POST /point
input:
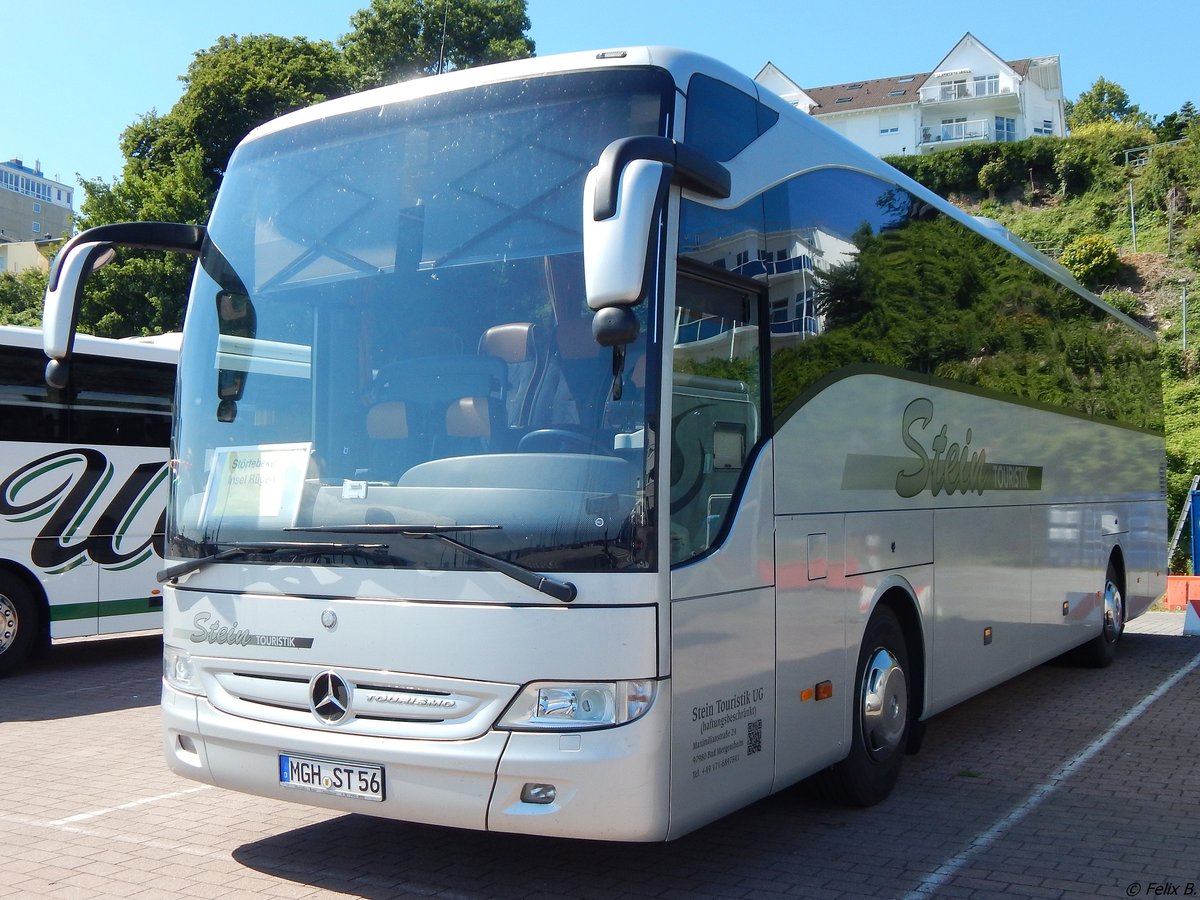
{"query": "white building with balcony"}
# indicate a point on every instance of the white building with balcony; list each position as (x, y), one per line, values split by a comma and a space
(971, 95)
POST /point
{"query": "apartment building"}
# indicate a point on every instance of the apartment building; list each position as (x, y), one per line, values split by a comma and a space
(970, 95)
(32, 206)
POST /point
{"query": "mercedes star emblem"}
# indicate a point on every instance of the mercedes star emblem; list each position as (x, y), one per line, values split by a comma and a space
(329, 698)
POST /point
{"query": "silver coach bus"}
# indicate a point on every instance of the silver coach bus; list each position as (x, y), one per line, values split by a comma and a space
(594, 444)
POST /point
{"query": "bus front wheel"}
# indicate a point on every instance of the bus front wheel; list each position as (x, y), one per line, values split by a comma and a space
(18, 623)
(881, 714)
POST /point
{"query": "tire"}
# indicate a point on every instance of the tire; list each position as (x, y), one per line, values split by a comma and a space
(882, 715)
(19, 623)
(1100, 651)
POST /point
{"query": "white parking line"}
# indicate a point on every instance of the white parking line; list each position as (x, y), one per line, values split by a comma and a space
(94, 814)
(985, 839)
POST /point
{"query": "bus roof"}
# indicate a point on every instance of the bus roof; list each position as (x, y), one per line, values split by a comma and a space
(162, 348)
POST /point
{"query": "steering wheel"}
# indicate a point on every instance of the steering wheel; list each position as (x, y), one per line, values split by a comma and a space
(555, 440)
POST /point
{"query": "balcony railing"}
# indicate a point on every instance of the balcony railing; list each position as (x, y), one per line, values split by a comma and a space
(973, 130)
(968, 90)
(805, 325)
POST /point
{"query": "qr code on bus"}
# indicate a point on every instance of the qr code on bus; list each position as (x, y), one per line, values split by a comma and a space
(753, 736)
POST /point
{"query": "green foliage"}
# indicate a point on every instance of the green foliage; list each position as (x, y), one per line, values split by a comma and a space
(1092, 259)
(21, 297)
(1105, 101)
(239, 83)
(1182, 402)
(1094, 155)
(931, 297)
(174, 162)
(397, 39)
(993, 177)
(959, 170)
(1091, 158)
(1171, 177)
(1174, 126)
(1124, 301)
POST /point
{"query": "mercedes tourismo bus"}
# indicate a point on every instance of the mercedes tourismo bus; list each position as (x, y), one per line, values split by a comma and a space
(592, 445)
(83, 489)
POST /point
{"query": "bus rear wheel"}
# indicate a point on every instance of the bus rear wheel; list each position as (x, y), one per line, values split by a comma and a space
(881, 715)
(18, 623)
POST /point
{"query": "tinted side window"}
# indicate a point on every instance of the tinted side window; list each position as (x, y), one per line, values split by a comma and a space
(875, 276)
(121, 402)
(29, 410)
(722, 121)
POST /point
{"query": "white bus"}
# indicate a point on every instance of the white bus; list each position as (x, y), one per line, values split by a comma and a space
(591, 445)
(83, 489)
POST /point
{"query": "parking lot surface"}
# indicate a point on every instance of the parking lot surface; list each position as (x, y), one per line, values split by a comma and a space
(1064, 782)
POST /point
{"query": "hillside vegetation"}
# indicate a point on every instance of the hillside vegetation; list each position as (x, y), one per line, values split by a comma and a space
(1073, 198)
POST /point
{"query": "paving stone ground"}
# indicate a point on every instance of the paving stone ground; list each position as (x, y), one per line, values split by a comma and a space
(1064, 783)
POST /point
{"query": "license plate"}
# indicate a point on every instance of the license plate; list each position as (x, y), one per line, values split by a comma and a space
(331, 776)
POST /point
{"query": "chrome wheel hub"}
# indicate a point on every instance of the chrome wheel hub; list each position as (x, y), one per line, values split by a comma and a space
(884, 704)
(1114, 612)
(8, 623)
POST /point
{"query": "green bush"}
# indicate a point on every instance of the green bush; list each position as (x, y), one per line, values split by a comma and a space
(1094, 156)
(958, 170)
(1092, 259)
(1125, 301)
(994, 177)
(1176, 363)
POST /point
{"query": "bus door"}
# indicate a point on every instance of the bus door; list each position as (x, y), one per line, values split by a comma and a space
(723, 600)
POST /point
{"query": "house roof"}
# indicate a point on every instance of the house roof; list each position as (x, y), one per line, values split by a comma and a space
(894, 91)
(898, 89)
(873, 93)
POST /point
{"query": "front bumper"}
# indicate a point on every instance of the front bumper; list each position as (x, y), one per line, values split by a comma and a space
(610, 784)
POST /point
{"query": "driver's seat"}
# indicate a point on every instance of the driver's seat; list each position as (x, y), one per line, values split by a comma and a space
(521, 347)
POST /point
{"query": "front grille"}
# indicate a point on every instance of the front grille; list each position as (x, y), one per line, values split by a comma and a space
(381, 704)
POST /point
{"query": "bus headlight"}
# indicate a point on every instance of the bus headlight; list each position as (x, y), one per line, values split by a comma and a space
(554, 706)
(180, 672)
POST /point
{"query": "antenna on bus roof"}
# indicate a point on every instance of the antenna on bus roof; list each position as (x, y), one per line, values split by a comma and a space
(442, 49)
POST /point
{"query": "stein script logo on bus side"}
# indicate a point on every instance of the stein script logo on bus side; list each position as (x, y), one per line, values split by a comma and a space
(950, 465)
(945, 458)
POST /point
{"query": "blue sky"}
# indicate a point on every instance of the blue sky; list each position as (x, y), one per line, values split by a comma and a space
(85, 70)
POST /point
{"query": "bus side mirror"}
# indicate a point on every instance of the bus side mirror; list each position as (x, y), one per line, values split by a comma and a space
(617, 249)
(61, 307)
(622, 197)
(80, 257)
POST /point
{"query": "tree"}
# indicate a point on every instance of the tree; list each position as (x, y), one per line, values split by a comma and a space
(397, 39)
(240, 83)
(21, 297)
(1174, 126)
(174, 164)
(1105, 101)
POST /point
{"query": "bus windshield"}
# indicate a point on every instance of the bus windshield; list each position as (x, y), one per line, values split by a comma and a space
(388, 328)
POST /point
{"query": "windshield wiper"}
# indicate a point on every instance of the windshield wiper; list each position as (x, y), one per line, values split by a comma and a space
(242, 548)
(559, 590)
